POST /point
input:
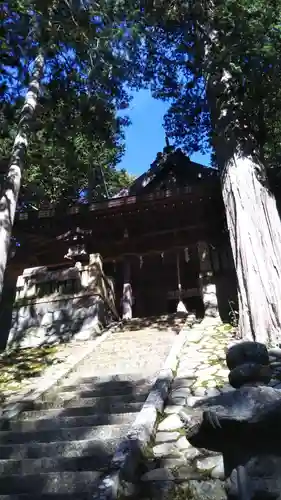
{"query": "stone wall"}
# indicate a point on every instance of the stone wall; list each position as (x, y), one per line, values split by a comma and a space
(62, 304)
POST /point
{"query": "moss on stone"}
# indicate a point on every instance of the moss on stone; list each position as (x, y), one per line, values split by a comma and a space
(181, 493)
(147, 452)
(19, 365)
(160, 416)
(225, 327)
(220, 382)
(213, 361)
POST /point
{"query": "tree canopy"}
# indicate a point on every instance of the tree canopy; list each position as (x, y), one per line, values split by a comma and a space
(78, 129)
(186, 44)
(217, 62)
(93, 53)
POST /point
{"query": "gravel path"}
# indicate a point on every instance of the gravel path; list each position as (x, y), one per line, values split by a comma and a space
(139, 347)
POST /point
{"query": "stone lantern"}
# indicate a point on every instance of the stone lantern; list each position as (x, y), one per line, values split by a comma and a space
(245, 426)
(76, 240)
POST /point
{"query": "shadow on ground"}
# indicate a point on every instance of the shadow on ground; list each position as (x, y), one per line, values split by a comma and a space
(20, 366)
(172, 321)
(59, 423)
(55, 426)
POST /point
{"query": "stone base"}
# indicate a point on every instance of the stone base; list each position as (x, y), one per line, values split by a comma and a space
(41, 322)
(181, 309)
(127, 302)
(209, 296)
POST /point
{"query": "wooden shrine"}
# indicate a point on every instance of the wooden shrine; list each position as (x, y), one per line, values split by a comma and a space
(149, 237)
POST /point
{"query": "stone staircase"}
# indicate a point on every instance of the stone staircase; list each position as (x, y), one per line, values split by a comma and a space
(60, 446)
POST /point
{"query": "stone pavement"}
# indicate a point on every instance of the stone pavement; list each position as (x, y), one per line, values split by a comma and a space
(174, 468)
(63, 442)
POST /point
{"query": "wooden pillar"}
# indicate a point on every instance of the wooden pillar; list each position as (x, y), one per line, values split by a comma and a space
(127, 298)
(207, 281)
(181, 309)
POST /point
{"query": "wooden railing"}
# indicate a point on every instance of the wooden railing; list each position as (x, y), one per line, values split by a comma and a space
(206, 190)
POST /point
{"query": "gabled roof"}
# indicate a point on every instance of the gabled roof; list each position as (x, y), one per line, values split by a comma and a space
(170, 165)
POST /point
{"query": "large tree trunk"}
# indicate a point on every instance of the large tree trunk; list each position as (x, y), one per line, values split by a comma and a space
(255, 235)
(12, 183)
(252, 216)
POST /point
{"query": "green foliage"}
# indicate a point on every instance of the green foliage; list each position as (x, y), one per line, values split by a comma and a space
(178, 49)
(77, 131)
(190, 47)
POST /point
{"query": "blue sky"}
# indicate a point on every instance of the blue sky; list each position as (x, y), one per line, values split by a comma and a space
(145, 136)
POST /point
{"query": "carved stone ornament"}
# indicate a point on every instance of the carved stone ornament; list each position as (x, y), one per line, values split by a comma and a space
(245, 426)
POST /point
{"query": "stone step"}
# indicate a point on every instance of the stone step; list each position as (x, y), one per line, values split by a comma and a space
(118, 346)
(115, 356)
(102, 432)
(80, 448)
(98, 462)
(58, 422)
(50, 483)
(58, 448)
(46, 496)
(103, 403)
(117, 341)
(154, 338)
(79, 392)
(74, 380)
(107, 379)
(114, 387)
(80, 411)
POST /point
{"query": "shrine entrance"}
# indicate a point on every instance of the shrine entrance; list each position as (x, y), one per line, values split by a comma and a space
(156, 279)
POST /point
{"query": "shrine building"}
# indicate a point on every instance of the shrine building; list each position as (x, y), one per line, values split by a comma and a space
(162, 240)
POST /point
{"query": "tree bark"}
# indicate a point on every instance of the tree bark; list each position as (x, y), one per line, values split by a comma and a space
(252, 215)
(255, 236)
(12, 182)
